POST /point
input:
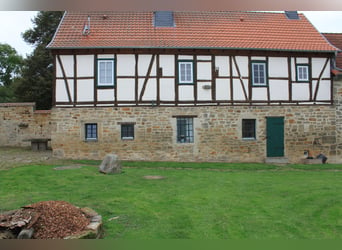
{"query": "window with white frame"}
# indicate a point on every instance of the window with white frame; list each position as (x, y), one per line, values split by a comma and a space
(302, 72)
(90, 131)
(185, 130)
(185, 72)
(105, 72)
(259, 73)
(248, 129)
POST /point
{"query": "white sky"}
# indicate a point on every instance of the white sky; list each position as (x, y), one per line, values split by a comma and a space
(14, 23)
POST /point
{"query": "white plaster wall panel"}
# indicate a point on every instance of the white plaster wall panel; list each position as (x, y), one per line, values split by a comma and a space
(150, 92)
(105, 56)
(203, 94)
(61, 92)
(222, 89)
(85, 66)
(317, 67)
(203, 57)
(186, 92)
(125, 65)
(242, 63)
(277, 67)
(144, 63)
(279, 90)
(258, 58)
(300, 92)
(167, 63)
(125, 89)
(293, 69)
(105, 95)
(183, 57)
(68, 65)
(203, 70)
(85, 90)
(167, 89)
(259, 94)
(302, 60)
(222, 63)
(324, 91)
(238, 93)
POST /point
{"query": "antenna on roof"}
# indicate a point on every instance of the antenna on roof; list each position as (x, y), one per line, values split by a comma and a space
(86, 27)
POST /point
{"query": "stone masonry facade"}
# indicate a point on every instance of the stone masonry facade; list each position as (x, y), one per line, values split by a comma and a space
(217, 132)
(20, 122)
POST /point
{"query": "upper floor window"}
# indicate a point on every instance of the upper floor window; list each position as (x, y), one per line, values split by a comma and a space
(185, 72)
(302, 71)
(259, 73)
(105, 72)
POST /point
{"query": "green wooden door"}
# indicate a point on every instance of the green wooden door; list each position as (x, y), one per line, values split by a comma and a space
(275, 136)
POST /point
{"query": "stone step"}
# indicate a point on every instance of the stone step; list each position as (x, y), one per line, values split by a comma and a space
(277, 160)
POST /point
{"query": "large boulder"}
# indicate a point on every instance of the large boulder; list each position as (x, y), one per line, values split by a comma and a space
(110, 165)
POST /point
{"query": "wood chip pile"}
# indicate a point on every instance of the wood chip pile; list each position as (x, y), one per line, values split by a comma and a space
(49, 220)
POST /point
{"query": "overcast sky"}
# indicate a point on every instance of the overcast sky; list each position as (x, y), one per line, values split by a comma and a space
(14, 23)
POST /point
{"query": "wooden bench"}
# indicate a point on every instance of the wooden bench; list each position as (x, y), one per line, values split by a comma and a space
(39, 144)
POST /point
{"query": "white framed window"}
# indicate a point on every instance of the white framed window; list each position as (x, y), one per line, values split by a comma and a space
(259, 73)
(185, 72)
(302, 72)
(105, 72)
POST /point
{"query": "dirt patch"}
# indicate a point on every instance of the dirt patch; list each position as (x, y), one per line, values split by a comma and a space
(67, 167)
(154, 177)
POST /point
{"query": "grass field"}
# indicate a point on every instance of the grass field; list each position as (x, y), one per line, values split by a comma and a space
(193, 201)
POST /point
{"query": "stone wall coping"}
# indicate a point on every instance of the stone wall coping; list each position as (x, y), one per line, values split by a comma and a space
(18, 104)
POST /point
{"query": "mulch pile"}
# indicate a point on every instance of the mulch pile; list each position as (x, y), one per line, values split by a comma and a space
(49, 219)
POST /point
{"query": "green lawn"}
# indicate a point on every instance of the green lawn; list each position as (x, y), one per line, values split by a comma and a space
(193, 201)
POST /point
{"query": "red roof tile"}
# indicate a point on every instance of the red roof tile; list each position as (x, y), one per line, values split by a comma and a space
(336, 40)
(227, 30)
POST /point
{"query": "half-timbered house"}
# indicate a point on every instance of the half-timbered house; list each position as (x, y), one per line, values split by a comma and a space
(192, 86)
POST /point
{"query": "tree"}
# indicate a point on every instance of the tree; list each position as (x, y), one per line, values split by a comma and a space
(37, 73)
(10, 64)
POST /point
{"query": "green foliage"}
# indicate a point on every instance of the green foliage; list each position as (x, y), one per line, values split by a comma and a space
(37, 74)
(10, 64)
(190, 203)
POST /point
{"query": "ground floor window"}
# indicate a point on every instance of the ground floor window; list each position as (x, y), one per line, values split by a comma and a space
(248, 129)
(127, 131)
(90, 131)
(185, 130)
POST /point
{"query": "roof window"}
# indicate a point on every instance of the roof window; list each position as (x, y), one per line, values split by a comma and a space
(163, 19)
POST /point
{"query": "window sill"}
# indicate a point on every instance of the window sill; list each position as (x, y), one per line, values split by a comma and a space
(91, 140)
(249, 139)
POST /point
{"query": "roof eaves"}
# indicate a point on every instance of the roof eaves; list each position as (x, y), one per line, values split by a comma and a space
(204, 48)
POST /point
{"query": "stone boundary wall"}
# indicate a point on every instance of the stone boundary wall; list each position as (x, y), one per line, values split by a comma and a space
(217, 133)
(20, 121)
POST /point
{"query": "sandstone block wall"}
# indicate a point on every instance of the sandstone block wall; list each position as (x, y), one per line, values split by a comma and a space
(20, 121)
(217, 133)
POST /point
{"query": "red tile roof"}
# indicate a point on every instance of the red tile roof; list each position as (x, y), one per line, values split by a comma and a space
(336, 40)
(224, 30)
